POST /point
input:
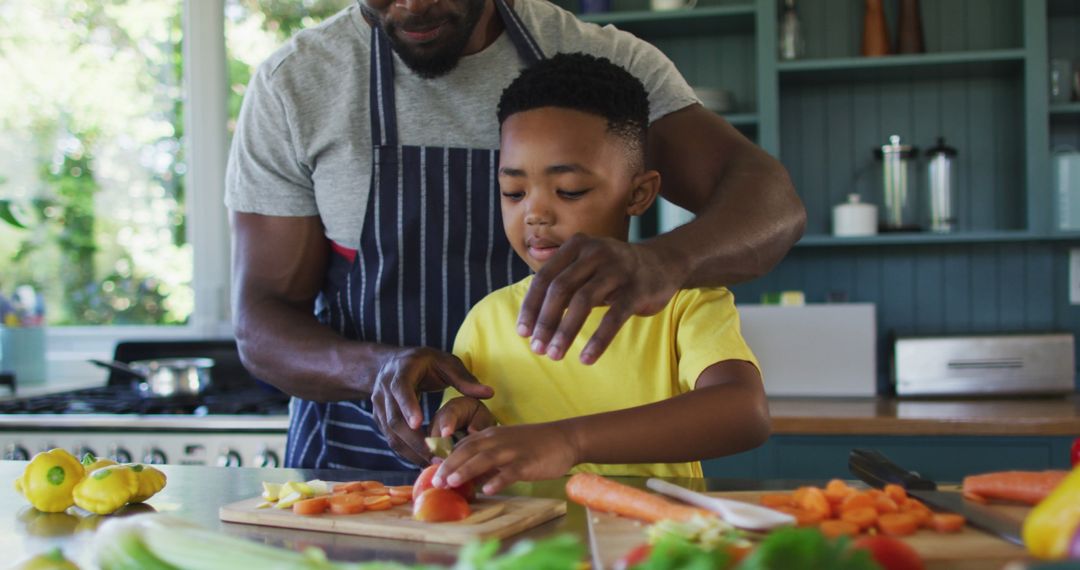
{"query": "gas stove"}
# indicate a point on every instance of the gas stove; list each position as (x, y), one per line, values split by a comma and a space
(237, 422)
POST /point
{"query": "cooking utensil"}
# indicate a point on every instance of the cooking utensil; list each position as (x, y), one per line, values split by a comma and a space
(875, 469)
(165, 377)
(738, 513)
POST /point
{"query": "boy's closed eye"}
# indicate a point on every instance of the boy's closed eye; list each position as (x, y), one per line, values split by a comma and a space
(566, 194)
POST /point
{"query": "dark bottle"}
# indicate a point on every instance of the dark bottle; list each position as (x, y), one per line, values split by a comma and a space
(875, 37)
(909, 36)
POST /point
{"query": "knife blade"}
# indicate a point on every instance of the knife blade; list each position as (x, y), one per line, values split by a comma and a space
(873, 468)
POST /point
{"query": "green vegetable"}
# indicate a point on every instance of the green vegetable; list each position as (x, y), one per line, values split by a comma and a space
(806, 549)
(563, 552)
(708, 532)
(673, 552)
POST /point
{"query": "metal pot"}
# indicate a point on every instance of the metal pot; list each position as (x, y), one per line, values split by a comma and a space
(165, 377)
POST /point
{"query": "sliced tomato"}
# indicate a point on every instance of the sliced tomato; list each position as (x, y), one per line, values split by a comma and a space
(891, 553)
(636, 556)
(440, 505)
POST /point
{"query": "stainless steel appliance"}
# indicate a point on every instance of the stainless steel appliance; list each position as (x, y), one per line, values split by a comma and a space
(238, 421)
(984, 365)
(941, 187)
(897, 185)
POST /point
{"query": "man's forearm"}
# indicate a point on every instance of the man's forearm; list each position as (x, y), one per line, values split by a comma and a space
(749, 224)
(287, 347)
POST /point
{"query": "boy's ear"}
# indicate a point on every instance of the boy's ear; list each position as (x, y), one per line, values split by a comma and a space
(645, 187)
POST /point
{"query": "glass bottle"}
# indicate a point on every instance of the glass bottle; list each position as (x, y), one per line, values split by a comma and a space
(792, 45)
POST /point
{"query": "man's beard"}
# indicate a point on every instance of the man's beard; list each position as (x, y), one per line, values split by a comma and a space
(436, 60)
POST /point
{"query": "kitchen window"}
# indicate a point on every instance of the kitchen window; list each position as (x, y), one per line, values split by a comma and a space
(115, 118)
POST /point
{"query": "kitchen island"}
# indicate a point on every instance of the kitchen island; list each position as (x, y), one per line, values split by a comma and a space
(196, 493)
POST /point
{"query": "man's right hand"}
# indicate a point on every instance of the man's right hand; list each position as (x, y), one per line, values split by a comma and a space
(404, 373)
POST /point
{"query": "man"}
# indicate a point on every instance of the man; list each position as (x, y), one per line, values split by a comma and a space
(376, 131)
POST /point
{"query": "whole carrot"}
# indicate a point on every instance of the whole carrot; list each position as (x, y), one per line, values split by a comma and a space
(597, 492)
(1022, 486)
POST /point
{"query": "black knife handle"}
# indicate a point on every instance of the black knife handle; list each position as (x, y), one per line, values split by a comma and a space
(877, 470)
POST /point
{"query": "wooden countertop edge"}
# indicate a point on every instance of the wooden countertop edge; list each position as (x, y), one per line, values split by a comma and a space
(904, 426)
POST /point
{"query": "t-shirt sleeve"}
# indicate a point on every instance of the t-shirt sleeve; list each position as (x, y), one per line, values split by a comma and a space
(265, 175)
(708, 332)
(667, 88)
(464, 345)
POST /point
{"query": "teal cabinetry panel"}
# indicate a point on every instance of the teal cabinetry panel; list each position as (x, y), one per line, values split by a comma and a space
(942, 458)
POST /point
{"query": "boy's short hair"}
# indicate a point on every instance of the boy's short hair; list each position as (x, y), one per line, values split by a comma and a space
(586, 83)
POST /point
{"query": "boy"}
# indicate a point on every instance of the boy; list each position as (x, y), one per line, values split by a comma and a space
(672, 388)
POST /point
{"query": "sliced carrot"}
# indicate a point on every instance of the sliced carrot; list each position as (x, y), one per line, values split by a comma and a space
(859, 500)
(372, 484)
(315, 506)
(895, 492)
(398, 500)
(897, 524)
(776, 500)
(885, 504)
(349, 487)
(600, 493)
(833, 528)
(803, 517)
(347, 503)
(863, 517)
(921, 512)
(947, 522)
(401, 491)
(836, 491)
(379, 503)
(1027, 487)
(375, 492)
(814, 500)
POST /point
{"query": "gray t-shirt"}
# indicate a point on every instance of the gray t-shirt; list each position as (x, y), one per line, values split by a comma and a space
(303, 141)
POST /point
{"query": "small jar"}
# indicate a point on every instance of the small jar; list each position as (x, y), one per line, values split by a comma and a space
(854, 218)
(941, 187)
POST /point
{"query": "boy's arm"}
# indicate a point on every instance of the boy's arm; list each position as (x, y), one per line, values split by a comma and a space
(726, 413)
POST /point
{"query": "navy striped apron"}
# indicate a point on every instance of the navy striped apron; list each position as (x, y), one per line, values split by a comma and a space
(432, 245)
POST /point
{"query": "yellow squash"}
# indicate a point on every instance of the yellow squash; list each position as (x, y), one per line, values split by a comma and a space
(48, 480)
(91, 463)
(107, 489)
(1050, 526)
(150, 482)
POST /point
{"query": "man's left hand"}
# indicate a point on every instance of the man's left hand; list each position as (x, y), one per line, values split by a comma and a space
(587, 272)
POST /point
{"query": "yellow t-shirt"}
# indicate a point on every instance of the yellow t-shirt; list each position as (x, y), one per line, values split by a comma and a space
(651, 359)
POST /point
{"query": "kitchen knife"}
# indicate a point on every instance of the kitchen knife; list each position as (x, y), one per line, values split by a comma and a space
(877, 470)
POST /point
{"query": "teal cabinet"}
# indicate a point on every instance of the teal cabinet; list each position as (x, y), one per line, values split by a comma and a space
(941, 458)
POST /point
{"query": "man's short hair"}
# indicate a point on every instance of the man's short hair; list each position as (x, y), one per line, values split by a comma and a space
(586, 83)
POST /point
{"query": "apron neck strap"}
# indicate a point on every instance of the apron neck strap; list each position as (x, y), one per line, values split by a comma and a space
(381, 84)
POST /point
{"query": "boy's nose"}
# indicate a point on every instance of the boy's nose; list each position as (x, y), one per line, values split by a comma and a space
(538, 213)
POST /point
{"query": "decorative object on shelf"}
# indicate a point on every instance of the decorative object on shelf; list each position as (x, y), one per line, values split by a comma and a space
(941, 187)
(897, 168)
(663, 5)
(909, 35)
(1061, 75)
(1067, 187)
(792, 44)
(595, 6)
(854, 218)
(875, 37)
(716, 100)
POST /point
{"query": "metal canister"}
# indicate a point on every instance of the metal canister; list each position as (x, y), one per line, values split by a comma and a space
(897, 186)
(941, 187)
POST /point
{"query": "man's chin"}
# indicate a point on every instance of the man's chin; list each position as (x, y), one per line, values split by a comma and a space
(429, 60)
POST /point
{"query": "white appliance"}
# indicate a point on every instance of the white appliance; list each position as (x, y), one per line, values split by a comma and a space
(826, 350)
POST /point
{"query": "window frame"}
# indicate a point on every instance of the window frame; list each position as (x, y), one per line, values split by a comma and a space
(205, 87)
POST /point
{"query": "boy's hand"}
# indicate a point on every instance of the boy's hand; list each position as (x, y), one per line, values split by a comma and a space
(463, 413)
(587, 272)
(506, 454)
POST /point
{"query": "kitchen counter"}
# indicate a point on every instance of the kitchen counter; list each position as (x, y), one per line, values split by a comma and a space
(195, 493)
(911, 417)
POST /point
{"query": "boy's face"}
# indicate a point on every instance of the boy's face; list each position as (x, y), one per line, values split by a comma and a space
(561, 173)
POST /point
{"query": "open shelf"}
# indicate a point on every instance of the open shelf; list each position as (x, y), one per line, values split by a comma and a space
(927, 65)
(1065, 108)
(705, 20)
(920, 238)
(741, 119)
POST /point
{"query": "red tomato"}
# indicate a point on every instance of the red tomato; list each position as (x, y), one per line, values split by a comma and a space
(440, 505)
(891, 553)
(636, 556)
(1074, 456)
(423, 483)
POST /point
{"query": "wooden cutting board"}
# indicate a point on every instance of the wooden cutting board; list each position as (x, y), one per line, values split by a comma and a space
(492, 517)
(611, 537)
